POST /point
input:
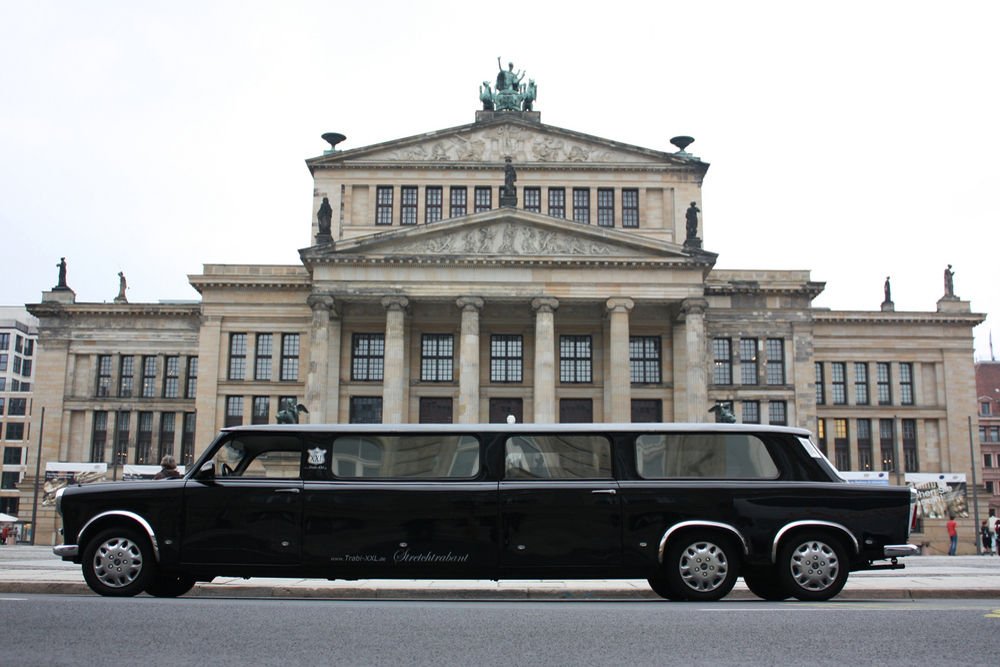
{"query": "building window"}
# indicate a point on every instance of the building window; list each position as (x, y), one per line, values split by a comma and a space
(3, 403)
(506, 358)
(575, 358)
(436, 357)
(3, 362)
(17, 365)
(995, 434)
(557, 202)
(484, 198)
(606, 207)
(841, 445)
(234, 410)
(29, 347)
(647, 410)
(17, 407)
(408, 205)
(886, 437)
(122, 433)
(775, 372)
(984, 408)
(457, 205)
(751, 412)
(262, 357)
(906, 384)
(126, 376)
(821, 435)
(144, 439)
(860, 383)
(99, 437)
(15, 431)
(168, 425)
(434, 203)
(987, 460)
(883, 379)
(237, 356)
(289, 357)
(104, 375)
(4, 341)
(644, 359)
(630, 207)
(838, 382)
(26, 368)
(171, 377)
(12, 456)
(148, 377)
(777, 413)
(365, 410)
(9, 480)
(722, 353)
(435, 410)
(367, 357)
(748, 361)
(191, 386)
(261, 409)
(533, 200)
(187, 439)
(910, 462)
(383, 205)
(865, 453)
(581, 205)
(820, 385)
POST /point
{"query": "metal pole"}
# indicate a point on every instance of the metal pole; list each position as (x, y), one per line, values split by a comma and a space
(975, 491)
(38, 467)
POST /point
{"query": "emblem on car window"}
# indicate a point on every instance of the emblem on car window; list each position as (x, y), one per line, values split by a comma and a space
(317, 456)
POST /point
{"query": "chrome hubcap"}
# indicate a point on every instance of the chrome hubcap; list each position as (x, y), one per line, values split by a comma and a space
(814, 565)
(117, 562)
(703, 566)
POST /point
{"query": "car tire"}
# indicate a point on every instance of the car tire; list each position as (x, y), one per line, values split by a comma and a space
(169, 585)
(701, 567)
(118, 562)
(661, 587)
(812, 566)
(763, 582)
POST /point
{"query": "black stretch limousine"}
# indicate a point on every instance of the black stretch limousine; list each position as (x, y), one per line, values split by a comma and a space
(690, 507)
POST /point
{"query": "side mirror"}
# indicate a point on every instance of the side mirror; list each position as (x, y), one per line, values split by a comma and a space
(206, 472)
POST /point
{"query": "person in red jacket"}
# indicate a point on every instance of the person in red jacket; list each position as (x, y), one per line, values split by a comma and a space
(953, 535)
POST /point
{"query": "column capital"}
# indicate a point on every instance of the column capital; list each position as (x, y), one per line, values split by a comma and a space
(322, 302)
(470, 303)
(693, 306)
(395, 302)
(618, 304)
(545, 304)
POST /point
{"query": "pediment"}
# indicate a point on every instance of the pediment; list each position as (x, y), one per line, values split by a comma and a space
(506, 234)
(524, 142)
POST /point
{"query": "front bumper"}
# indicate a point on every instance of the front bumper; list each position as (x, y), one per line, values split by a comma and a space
(66, 551)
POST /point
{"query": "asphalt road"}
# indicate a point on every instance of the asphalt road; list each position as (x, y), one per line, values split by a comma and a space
(64, 630)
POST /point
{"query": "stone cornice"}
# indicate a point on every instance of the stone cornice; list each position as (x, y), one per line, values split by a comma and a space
(58, 310)
(879, 317)
(273, 277)
(811, 289)
(700, 262)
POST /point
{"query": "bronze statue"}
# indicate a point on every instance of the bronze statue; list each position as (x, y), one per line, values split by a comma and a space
(62, 274)
(486, 96)
(122, 286)
(888, 290)
(508, 80)
(692, 220)
(530, 94)
(949, 282)
(723, 415)
(324, 216)
(509, 177)
(290, 413)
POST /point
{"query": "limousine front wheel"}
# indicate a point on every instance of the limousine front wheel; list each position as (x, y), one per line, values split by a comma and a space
(117, 562)
(700, 567)
(812, 566)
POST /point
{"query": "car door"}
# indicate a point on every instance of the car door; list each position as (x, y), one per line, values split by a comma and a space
(250, 511)
(559, 503)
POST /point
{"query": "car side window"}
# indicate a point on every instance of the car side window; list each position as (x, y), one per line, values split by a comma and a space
(543, 456)
(405, 456)
(703, 455)
(260, 457)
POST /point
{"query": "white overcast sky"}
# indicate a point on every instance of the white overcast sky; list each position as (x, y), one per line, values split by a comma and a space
(854, 139)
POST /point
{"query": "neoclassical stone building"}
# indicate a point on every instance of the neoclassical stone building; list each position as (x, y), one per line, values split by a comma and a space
(505, 267)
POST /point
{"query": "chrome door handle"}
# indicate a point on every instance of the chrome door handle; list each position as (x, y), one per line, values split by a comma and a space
(292, 490)
(609, 492)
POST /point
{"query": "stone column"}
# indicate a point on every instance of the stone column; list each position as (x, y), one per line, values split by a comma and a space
(619, 369)
(395, 359)
(317, 383)
(545, 349)
(468, 360)
(691, 400)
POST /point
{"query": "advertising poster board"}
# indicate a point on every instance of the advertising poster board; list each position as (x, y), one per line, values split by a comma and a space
(866, 477)
(939, 495)
(59, 474)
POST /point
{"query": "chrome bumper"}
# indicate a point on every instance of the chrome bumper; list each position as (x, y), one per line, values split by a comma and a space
(900, 550)
(66, 551)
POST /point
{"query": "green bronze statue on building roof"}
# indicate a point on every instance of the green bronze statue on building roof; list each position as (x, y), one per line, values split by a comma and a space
(509, 93)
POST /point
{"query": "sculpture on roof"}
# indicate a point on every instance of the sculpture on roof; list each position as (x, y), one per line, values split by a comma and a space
(723, 415)
(61, 285)
(509, 93)
(324, 216)
(122, 286)
(289, 414)
(949, 283)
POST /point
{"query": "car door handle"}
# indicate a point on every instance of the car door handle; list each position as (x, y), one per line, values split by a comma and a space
(609, 492)
(292, 490)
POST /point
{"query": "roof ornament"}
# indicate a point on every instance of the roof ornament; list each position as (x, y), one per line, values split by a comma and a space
(509, 93)
(333, 138)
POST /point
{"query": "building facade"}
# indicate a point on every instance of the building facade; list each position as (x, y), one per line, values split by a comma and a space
(18, 338)
(988, 397)
(505, 268)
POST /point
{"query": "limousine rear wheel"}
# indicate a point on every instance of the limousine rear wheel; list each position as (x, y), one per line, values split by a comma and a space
(701, 566)
(118, 562)
(813, 566)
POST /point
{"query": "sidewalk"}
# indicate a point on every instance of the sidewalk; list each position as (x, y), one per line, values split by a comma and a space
(27, 569)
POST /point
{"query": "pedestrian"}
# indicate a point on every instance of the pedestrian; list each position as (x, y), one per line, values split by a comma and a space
(991, 523)
(984, 537)
(168, 468)
(952, 534)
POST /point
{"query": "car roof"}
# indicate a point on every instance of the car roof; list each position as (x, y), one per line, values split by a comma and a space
(643, 427)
